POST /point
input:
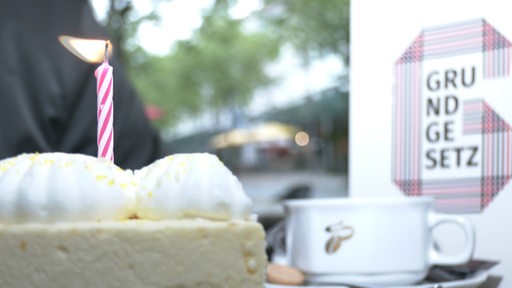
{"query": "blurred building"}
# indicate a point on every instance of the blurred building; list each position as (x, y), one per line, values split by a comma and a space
(322, 118)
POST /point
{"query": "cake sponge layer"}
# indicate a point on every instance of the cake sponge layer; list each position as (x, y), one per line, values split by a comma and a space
(133, 253)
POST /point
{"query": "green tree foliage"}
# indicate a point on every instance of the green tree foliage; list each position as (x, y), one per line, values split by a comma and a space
(219, 68)
(122, 23)
(314, 28)
(222, 65)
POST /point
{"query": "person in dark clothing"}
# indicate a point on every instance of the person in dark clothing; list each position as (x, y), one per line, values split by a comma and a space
(48, 95)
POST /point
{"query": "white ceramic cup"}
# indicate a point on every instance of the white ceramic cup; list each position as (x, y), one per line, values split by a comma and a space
(384, 241)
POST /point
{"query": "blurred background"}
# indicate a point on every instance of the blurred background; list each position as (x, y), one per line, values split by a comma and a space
(263, 84)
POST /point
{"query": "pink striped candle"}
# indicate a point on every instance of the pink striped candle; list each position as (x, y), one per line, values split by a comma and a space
(105, 91)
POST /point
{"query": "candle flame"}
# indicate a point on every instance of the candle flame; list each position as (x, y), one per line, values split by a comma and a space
(89, 50)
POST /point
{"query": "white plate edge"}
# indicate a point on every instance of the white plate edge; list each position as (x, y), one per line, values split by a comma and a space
(474, 281)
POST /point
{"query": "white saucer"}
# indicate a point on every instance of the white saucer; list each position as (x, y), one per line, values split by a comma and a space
(381, 279)
(472, 282)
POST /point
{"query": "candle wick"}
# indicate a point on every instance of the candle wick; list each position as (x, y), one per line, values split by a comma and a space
(106, 50)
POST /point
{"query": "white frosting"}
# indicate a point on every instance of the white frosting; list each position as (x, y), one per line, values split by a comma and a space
(188, 186)
(59, 187)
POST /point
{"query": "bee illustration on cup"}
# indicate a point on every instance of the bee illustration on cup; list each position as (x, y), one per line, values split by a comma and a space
(339, 233)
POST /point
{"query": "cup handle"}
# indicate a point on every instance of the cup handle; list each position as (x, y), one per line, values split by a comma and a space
(435, 256)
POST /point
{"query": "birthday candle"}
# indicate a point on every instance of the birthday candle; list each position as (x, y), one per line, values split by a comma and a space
(105, 91)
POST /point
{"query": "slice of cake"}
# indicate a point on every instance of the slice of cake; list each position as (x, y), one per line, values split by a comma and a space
(71, 220)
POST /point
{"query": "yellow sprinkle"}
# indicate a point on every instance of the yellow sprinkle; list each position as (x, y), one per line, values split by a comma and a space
(111, 182)
(101, 177)
(49, 161)
(33, 157)
(150, 194)
(123, 185)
